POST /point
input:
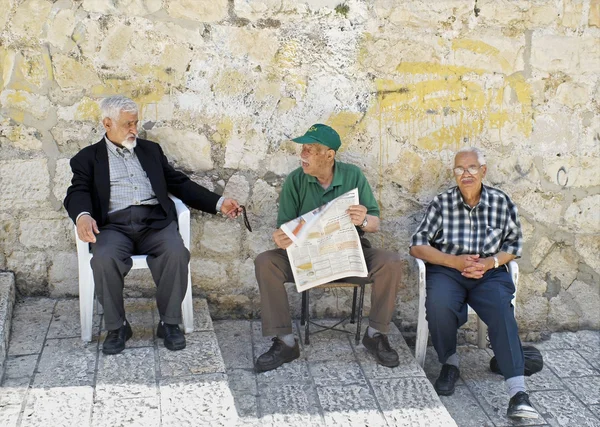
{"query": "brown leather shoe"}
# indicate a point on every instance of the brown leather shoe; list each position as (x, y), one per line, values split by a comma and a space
(278, 354)
(379, 346)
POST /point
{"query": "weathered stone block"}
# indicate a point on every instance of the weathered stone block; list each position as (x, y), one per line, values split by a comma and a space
(198, 11)
(588, 248)
(31, 271)
(246, 151)
(584, 214)
(23, 183)
(61, 28)
(71, 74)
(36, 105)
(237, 188)
(594, 16)
(20, 136)
(63, 274)
(565, 53)
(188, 150)
(30, 18)
(222, 237)
(587, 297)
(45, 234)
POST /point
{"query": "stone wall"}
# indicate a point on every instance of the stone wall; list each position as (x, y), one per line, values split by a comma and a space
(223, 85)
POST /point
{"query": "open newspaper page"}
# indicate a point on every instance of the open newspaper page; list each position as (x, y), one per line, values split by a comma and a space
(326, 244)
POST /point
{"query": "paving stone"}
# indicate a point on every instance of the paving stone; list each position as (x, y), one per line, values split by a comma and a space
(295, 372)
(246, 405)
(465, 409)
(119, 412)
(202, 319)
(411, 402)
(562, 408)
(329, 346)
(493, 398)
(586, 389)
(235, 342)
(9, 415)
(66, 322)
(7, 303)
(66, 362)
(13, 392)
(408, 366)
(349, 405)
(243, 380)
(29, 325)
(567, 363)
(558, 341)
(336, 372)
(58, 407)
(543, 380)
(20, 366)
(140, 314)
(596, 410)
(289, 404)
(130, 374)
(200, 356)
(202, 400)
(588, 346)
(433, 367)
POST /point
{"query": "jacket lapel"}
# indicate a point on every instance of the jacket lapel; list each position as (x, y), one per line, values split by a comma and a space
(102, 176)
(149, 164)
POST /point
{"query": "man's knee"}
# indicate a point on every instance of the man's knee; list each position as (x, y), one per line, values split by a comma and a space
(175, 249)
(265, 260)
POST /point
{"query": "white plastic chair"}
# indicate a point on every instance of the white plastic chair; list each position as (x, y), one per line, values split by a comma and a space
(423, 327)
(86, 278)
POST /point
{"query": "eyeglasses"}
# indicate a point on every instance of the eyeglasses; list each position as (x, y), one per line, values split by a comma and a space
(245, 215)
(458, 171)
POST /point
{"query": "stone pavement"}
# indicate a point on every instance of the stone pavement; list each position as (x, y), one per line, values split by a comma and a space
(51, 378)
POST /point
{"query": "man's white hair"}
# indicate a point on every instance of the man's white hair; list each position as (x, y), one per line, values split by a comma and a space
(112, 106)
(477, 151)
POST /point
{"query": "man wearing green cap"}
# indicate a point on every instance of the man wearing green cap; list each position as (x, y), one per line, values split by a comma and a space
(319, 180)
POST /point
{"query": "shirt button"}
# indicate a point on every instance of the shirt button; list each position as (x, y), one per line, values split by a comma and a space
(131, 175)
(137, 202)
(135, 188)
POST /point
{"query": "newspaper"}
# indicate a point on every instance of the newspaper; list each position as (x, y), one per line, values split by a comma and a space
(326, 244)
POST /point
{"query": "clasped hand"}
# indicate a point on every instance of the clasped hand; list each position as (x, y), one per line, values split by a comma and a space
(471, 266)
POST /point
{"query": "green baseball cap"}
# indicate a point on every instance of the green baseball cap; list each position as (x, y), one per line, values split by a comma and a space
(321, 134)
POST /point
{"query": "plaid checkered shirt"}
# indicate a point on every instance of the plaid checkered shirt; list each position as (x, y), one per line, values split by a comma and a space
(129, 183)
(453, 227)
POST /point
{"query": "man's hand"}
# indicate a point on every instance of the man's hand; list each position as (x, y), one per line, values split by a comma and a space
(87, 229)
(281, 239)
(231, 208)
(471, 266)
(357, 213)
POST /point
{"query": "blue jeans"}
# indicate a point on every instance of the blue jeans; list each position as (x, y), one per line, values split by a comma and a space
(448, 293)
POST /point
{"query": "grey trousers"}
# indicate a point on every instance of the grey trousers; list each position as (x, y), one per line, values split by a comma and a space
(273, 269)
(127, 234)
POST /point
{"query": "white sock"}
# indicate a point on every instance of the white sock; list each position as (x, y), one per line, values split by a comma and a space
(288, 339)
(515, 385)
(372, 331)
(453, 360)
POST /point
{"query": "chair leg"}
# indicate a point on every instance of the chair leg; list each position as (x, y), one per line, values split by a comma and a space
(353, 305)
(187, 308)
(303, 309)
(86, 303)
(360, 311)
(482, 331)
(307, 318)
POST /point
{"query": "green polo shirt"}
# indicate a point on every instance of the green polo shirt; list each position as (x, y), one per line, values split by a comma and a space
(302, 193)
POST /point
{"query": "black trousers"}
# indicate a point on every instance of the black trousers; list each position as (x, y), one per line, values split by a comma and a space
(125, 234)
(448, 293)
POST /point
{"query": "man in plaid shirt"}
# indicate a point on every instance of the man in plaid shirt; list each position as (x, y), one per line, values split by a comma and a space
(466, 237)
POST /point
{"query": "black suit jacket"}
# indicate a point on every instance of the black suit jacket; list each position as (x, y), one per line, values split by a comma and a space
(90, 186)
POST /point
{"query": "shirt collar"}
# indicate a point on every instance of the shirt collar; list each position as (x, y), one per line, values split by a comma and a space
(335, 182)
(457, 198)
(121, 152)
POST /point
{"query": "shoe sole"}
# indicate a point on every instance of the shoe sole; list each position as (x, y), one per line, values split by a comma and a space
(381, 362)
(523, 415)
(118, 350)
(274, 366)
(444, 392)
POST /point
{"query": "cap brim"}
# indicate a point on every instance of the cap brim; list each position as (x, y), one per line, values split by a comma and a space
(306, 140)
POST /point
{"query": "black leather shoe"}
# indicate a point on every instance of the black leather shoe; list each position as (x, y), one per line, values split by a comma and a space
(115, 340)
(379, 346)
(174, 339)
(278, 354)
(445, 383)
(519, 406)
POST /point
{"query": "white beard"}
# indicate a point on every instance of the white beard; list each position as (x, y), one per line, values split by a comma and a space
(129, 145)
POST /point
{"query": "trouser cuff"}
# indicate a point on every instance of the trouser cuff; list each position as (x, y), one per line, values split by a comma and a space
(381, 327)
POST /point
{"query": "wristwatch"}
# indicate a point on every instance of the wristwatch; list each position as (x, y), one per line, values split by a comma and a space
(364, 223)
(495, 262)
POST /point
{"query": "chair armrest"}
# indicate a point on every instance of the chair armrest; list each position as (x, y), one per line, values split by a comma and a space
(83, 248)
(183, 220)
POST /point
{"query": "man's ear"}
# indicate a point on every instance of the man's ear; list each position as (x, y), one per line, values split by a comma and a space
(483, 171)
(330, 154)
(107, 123)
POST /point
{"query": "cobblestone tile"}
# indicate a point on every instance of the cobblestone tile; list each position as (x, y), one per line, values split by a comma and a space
(246, 405)
(562, 408)
(66, 322)
(543, 380)
(408, 366)
(493, 398)
(567, 363)
(13, 392)
(235, 342)
(9, 415)
(349, 405)
(333, 372)
(140, 314)
(589, 347)
(329, 346)
(200, 356)
(66, 362)
(58, 407)
(30, 322)
(20, 366)
(203, 400)
(119, 412)
(295, 372)
(130, 374)
(202, 319)
(411, 402)
(465, 409)
(558, 341)
(242, 379)
(596, 410)
(290, 405)
(587, 389)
